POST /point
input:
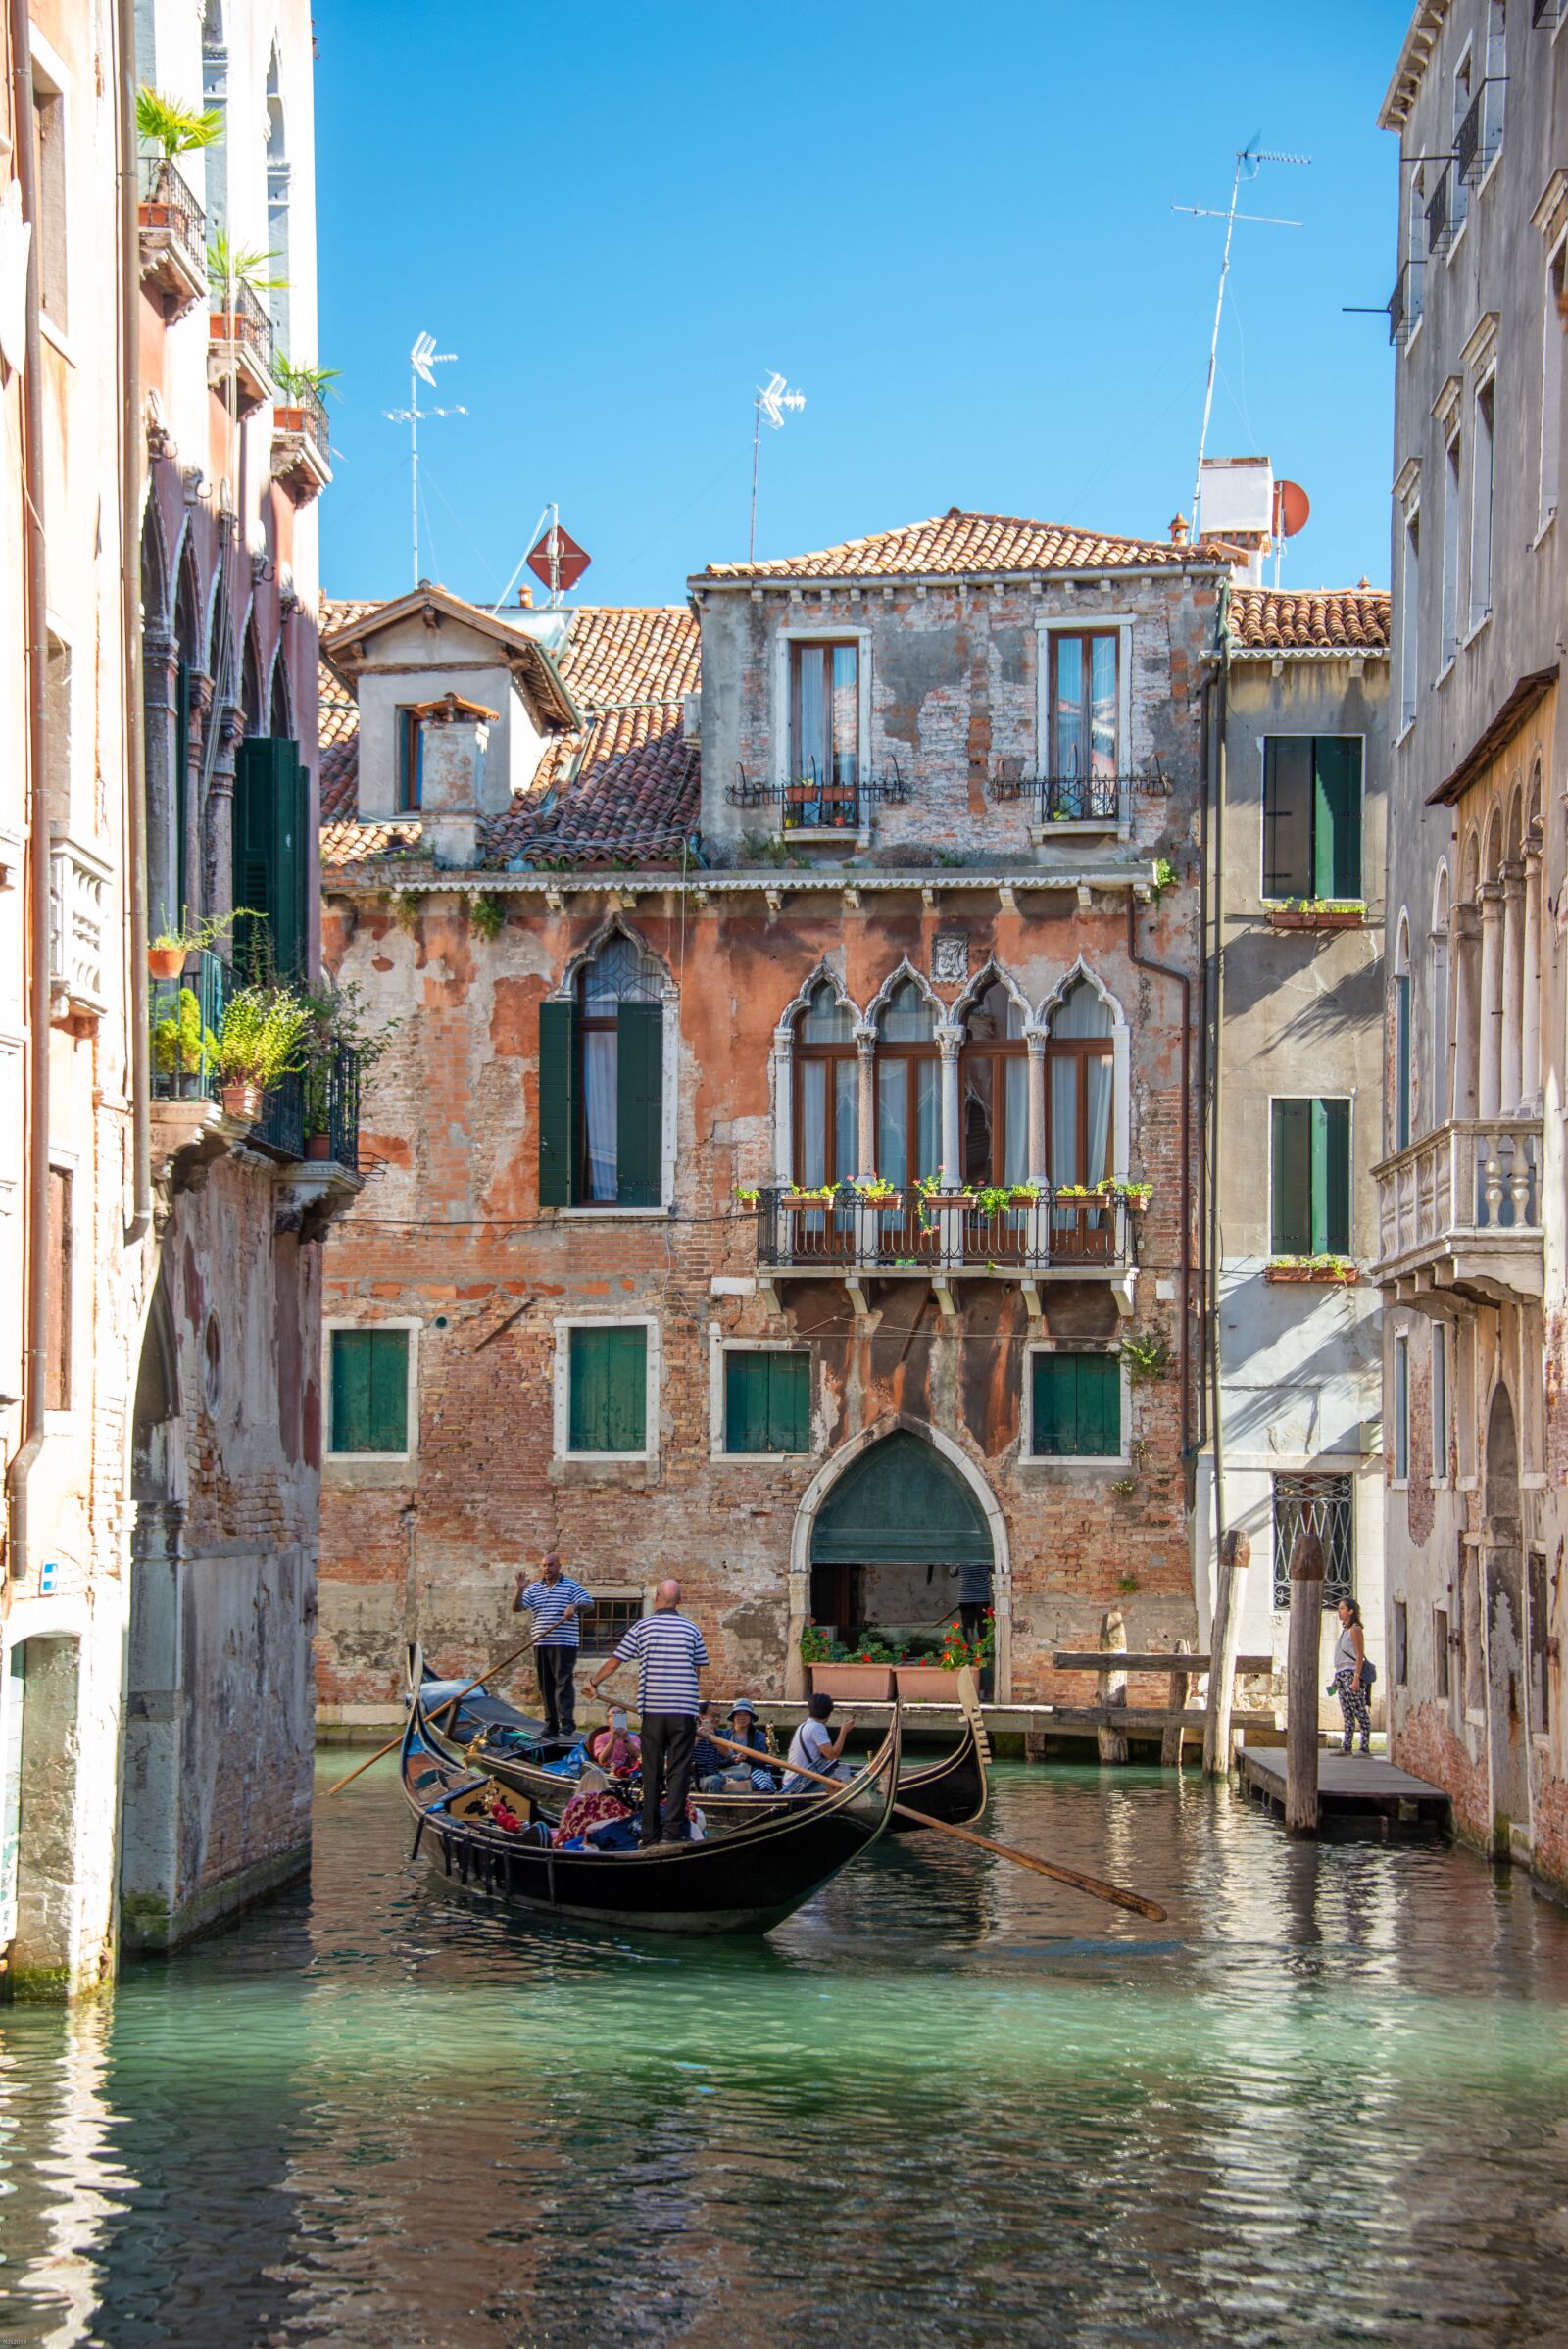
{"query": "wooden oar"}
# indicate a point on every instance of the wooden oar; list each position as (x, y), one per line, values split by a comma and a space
(1092, 1884)
(505, 1665)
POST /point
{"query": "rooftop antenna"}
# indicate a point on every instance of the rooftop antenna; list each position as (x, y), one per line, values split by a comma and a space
(1248, 160)
(421, 359)
(772, 397)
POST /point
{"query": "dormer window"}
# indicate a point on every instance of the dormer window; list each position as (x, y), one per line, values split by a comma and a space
(411, 761)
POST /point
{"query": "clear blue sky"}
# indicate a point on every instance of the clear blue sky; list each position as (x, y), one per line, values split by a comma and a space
(950, 225)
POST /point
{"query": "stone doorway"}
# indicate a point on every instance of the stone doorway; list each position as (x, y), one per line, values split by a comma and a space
(40, 1762)
(149, 1857)
(1508, 1729)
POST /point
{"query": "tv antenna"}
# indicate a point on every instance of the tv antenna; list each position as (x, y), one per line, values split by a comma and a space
(772, 397)
(1249, 159)
(422, 359)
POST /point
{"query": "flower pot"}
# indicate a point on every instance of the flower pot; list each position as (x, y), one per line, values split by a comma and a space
(166, 962)
(319, 1145)
(852, 1684)
(242, 1101)
(926, 1684)
(288, 419)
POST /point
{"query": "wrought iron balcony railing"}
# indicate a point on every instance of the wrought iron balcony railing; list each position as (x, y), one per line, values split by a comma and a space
(908, 1229)
(172, 230)
(335, 1098)
(1480, 134)
(818, 802)
(1068, 799)
(1442, 226)
(1546, 15)
(1404, 302)
(186, 1017)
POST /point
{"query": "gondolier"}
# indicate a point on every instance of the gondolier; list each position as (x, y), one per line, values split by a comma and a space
(670, 1652)
(555, 1602)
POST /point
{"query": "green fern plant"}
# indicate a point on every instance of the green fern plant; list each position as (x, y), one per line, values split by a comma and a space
(488, 913)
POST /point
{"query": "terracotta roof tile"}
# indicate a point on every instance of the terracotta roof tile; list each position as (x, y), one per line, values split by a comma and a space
(956, 544)
(1319, 619)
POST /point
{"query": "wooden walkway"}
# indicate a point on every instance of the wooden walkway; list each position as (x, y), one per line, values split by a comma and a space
(1354, 1789)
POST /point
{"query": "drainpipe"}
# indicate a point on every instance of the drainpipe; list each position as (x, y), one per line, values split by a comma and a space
(1167, 970)
(1211, 1298)
(1205, 739)
(130, 496)
(36, 1343)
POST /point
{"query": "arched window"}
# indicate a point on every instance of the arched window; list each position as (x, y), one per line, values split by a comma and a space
(1439, 1110)
(279, 174)
(250, 684)
(908, 1114)
(826, 1091)
(1079, 1088)
(215, 96)
(1403, 1074)
(188, 637)
(993, 1092)
(620, 997)
(279, 723)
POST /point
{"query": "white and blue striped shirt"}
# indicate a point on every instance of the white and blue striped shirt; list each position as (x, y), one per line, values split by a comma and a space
(669, 1653)
(548, 1602)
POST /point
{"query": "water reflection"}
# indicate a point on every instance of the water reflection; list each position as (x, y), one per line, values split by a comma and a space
(949, 2103)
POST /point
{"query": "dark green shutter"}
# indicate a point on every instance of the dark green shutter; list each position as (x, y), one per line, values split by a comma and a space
(1291, 1186)
(1077, 1406)
(558, 1104)
(767, 1402)
(1099, 1406)
(1287, 815)
(270, 857)
(746, 1403)
(608, 1390)
(789, 1402)
(1331, 1178)
(175, 915)
(639, 1103)
(1337, 817)
(370, 1391)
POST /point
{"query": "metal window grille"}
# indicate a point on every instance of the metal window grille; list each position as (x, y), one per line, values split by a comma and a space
(1323, 1505)
(1546, 15)
(606, 1621)
(1404, 303)
(1439, 226)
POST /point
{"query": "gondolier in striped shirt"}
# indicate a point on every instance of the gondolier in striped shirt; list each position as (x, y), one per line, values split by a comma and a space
(555, 1602)
(670, 1652)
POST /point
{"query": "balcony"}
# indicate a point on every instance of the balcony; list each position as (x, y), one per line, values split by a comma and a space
(1070, 804)
(79, 933)
(1441, 224)
(905, 1233)
(239, 349)
(1404, 303)
(1459, 1213)
(1480, 135)
(818, 807)
(302, 445)
(172, 236)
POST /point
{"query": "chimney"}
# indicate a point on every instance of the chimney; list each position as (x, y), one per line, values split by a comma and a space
(453, 736)
(525, 599)
(1237, 507)
(1178, 529)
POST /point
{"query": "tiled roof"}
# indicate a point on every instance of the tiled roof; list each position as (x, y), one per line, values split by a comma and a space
(1318, 620)
(956, 544)
(625, 786)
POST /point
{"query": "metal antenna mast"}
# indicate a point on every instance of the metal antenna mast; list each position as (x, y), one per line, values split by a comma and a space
(772, 397)
(1247, 160)
(421, 359)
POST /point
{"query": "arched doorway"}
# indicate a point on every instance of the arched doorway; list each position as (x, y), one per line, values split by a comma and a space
(1506, 1734)
(150, 1823)
(889, 1537)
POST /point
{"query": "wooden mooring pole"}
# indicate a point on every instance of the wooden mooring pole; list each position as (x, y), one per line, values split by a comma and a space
(1225, 1636)
(1112, 1743)
(1300, 1685)
(1170, 1739)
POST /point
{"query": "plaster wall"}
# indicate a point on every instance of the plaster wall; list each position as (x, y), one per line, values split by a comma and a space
(413, 663)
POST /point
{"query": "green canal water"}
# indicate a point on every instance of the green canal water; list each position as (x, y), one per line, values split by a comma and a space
(1327, 2102)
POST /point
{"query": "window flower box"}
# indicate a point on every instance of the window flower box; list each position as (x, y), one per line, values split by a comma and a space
(1317, 915)
(1331, 1271)
(852, 1684)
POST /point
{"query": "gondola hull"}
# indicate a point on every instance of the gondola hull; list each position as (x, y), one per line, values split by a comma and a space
(747, 1882)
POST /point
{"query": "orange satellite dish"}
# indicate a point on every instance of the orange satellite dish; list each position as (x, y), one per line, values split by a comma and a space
(1292, 507)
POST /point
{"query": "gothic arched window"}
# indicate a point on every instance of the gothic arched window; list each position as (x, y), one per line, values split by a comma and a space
(826, 1091)
(908, 1115)
(993, 1092)
(620, 1014)
(1079, 1089)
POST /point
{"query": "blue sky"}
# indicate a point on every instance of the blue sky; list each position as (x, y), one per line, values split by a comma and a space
(952, 227)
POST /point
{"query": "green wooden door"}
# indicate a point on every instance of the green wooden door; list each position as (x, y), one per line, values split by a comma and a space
(901, 1503)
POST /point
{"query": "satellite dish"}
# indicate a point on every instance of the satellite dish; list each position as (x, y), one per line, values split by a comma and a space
(1292, 507)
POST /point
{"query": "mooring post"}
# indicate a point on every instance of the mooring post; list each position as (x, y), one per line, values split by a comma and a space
(1300, 1685)
(1113, 1640)
(1170, 1741)
(1225, 1636)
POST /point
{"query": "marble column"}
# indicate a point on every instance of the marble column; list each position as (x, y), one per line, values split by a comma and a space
(217, 817)
(199, 690)
(1464, 930)
(784, 1104)
(866, 1047)
(1035, 1039)
(949, 1040)
(1489, 1073)
(159, 684)
(1530, 1076)
(1510, 1040)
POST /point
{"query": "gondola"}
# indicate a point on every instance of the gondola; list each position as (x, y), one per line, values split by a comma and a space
(491, 1735)
(745, 1881)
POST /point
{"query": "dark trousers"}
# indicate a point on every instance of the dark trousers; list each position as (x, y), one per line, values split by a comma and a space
(558, 1689)
(669, 1741)
(971, 1618)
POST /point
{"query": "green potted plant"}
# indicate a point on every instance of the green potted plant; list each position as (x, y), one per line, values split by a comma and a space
(171, 129)
(335, 1023)
(182, 1046)
(169, 951)
(260, 1040)
(229, 266)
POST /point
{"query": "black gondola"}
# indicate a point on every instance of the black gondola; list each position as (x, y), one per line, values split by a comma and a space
(745, 1881)
(489, 1733)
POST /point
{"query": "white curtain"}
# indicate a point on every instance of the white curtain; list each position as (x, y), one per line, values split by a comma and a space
(599, 1109)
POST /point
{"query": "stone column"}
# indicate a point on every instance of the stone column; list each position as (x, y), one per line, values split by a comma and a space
(200, 690)
(1489, 1073)
(217, 821)
(1530, 1078)
(160, 681)
(1035, 1039)
(865, 1046)
(1464, 932)
(948, 1039)
(1511, 1037)
(784, 1104)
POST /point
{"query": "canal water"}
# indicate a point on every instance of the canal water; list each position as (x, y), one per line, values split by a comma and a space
(1327, 2102)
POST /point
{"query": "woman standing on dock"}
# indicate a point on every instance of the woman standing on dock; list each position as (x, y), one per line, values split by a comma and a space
(1351, 1684)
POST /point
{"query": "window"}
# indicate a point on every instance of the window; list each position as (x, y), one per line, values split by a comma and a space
(602, 1084)
(49, 127)
(1084, 705)
(1539, 1622)
(768, 1401)
(1438, 1110)
(825, 714)
(1481, 489)
(602, 1626)
(215, 94)
(1458, 190)
(61, 1278)
(1495, 92)
(1311, 815)
(1401, 1057)
(827, 1091)
(1440, 1651)
(1323, 1505)
(1450, 552)
(370, 1383)
(57, 700)
(1401, 1410)
(1310, 1178)
(1439, 1401)
(1472, 1645)
(1554, 331)
(410, 763)
(1075, 1407)
(1401, 1645)
(909, 1121)
(280, 177)
(1079, 1065)
(607, 1389)
(271, 858)
(1410, 618)
(993, 1092)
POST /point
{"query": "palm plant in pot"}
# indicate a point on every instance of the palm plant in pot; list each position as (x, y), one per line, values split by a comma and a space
(262, 1040)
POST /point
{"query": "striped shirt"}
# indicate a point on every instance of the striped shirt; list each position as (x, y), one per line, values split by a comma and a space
(669, 1653)
(548, 1602)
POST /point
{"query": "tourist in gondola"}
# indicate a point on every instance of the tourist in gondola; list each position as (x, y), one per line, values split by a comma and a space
(710, 1767)
(616, 1749)
(555, 1601)
(670, 1652)
(813, 1746)
(748, 1778)
(596, 1817)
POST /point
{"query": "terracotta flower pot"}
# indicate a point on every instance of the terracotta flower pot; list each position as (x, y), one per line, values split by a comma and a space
(852, 1684)
(166, 962)
(319, 1145)
(242, 1101)
(926, 1684)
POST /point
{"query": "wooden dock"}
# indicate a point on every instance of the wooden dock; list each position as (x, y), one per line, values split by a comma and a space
(1356, 1792)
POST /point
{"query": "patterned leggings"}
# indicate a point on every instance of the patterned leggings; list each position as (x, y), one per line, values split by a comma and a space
(1353, 1706)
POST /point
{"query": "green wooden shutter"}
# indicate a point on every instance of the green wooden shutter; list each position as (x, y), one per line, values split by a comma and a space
(1337, 817)
(1291, 1179)
(370, 1391)
(270, 857)
(746, 1403)
(1098, 1382)
(608, 1390)
(1331, 1178)
(1047, 1405)
(767, 1402)
(639, 1103)
(1287, 815)
(175, 915)
(558, 1104)
(789, 1402)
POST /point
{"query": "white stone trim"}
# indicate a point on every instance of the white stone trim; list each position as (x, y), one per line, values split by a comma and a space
(563, 1325)
(413, 1324)
(1118, 1462)
(718, 1346)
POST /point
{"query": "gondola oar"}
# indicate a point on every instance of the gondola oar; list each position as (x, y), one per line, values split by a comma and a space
(505, 1665)
(1092, 1884)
